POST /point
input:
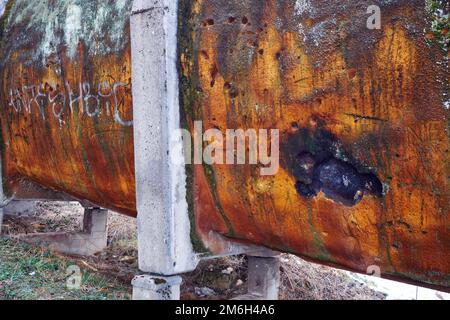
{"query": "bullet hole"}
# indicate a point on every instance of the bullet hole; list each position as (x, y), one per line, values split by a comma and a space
(234, 92)
(244, 20)
(396, 245)
(261, 51)
(231, 20)
(47, 86)
(227, 86)
(214, 72)
(294, 125)
(278, 55)
(204, 54)
(208, 22)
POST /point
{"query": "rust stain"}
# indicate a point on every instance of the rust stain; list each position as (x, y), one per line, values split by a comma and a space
(367, 103)
(66, 116)
(349, 101)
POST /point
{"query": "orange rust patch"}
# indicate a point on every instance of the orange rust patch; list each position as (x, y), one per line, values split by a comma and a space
(374, 95)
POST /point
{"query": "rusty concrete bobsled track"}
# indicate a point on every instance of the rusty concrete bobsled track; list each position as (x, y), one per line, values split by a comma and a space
(370, 105)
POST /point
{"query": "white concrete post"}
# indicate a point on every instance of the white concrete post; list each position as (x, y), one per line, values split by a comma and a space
(164, 243)
(264, 277)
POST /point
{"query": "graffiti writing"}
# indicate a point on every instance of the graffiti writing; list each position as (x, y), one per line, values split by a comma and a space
(104, 98)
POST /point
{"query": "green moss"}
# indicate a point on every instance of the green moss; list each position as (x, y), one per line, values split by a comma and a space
(189, 95)
(197, 243)
(32, 273)
(188, 99)
(319, 246)
(438, 14)
(5, 17)
(159, 281)
(211, 177)
(6, 192)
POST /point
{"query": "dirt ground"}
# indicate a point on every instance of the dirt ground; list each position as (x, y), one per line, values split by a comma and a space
(109, 274)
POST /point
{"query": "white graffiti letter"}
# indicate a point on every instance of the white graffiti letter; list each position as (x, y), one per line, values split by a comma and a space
(374, 21)
(117, 116)
(87, 89)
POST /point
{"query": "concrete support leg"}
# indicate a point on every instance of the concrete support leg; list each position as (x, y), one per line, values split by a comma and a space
(164, 242)
(263, 278)
(92, 240)
(152, 287)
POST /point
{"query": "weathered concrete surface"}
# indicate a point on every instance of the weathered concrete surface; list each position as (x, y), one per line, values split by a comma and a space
(365, 104)
(264, 277)
(93, 239)
(19, 208)
(146, 287)
(163, 223)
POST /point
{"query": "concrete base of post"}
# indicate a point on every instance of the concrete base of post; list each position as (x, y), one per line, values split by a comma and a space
(154, 287)
(263, 278)
(20, 208)
(92, 240)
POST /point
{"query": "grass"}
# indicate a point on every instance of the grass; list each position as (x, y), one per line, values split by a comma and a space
(31, 273)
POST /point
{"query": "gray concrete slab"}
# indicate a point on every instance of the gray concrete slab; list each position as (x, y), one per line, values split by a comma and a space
(92, 240)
